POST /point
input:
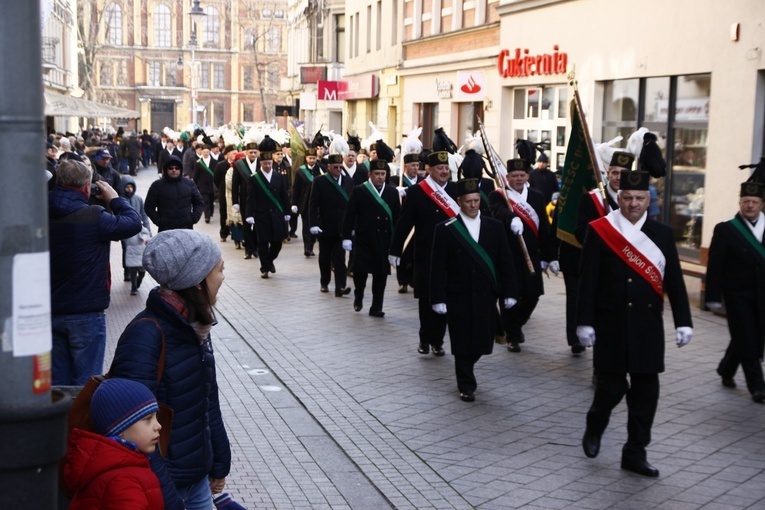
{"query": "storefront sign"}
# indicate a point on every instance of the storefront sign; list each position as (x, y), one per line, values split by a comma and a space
(471, 86)
(328, 90)
(521, 63)
(359, 87)
(444, 89)
(312, 74)
(692, 109)
(307, 101)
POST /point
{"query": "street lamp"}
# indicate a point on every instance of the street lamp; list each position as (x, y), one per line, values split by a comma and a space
(196, 12)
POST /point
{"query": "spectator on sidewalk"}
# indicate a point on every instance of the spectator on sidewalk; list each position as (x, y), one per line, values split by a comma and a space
(104, 171)
(172, 201)
(109, 469)
(80, 238)
(132, 248)
(189, 269)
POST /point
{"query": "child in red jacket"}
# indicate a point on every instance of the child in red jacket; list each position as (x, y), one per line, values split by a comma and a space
(110, 469)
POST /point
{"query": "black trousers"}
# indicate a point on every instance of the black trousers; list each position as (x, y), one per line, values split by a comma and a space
(379, 281)
(463, 366)
(432, 325)
(308, 238)
(642, 398)
(209, 200)
(268, 252)
(293, 224)
(516, 317)
(744, 347)
(250, 238)
(332, 255)
(571, 281)
(133, 166)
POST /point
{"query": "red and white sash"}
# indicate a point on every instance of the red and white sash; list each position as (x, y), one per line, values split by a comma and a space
(635, 248)
(440, 197)
(597, 199)
(523, 210)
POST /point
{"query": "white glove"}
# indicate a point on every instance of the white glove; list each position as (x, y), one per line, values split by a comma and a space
(510, 302)
(401, 191)
(554, 267)
(544, 265)
(516, 225)
(586, 335)
(286, 217)
(347, 244)
(684, 334)
(294, 209)
(250, 220)
(315, 230)
(395, 261)
(714, 306)
(440, 308)
(236, 207)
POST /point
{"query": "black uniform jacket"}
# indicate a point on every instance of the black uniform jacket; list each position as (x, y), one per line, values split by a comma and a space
(239, 181)
(301, 189)
(422, 213)
(540, 247)
(327, 206)
(219, 180)
(204, 179)
(568, 254)
(373, 228)
(623, 307)
(467, 287)
(360, 176)
(269, 218)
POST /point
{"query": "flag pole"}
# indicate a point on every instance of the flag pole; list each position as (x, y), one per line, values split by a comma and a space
(497, 179)
(588, 139)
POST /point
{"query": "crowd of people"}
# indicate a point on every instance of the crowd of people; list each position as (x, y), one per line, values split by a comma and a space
(471, 240)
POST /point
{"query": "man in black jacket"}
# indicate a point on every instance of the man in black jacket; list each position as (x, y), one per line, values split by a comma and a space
(427, 204)
(268, 207)
(372, 212)
(628, 262)
(736, 276)
(301, 192)
(243, 170)
(203, 177)
(471, 268)
(329, 199)
(173, 201)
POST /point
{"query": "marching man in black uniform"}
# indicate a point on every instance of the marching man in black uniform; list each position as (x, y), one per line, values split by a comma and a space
(427, 204)
(410, 176)
(244, 169)
(471, 267)
(527, 220)
(268, 207)
(373, 210)
(327, 204)
(628, 262)
(301, 192)
(736, 276)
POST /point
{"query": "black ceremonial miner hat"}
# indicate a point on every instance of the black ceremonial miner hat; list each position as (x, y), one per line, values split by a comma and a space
(755, 184)
(636, 181)
(467, 186)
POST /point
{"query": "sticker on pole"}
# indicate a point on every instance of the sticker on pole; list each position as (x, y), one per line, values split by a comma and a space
(31, 332)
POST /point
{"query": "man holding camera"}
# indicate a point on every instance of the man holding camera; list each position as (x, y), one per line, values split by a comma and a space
(80, 237)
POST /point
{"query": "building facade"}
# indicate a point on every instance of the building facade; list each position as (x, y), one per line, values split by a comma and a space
(59, 56)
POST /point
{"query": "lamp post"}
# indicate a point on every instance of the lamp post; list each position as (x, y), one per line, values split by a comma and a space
(196, 12)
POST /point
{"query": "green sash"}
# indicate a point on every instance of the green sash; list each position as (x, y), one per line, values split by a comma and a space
(337, 186)
(206, 167)
(380, 202)
(477, 251)
(259, 179)
(407, 182)
(484, 198)
(308, 175)
(747, 234)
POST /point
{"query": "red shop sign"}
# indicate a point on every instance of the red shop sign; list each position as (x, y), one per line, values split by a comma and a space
(523, 64)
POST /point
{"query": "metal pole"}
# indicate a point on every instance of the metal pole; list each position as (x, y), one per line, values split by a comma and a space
(193, 86)
(32, 423)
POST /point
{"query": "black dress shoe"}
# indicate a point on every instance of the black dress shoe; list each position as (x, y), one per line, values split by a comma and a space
(467, 396)
(591, 444)
(255, 254)
(272, 268)
(312, 253)
(577, 349)
(728, 382)
(759, 396)
(264, 274)
(377, 313)
(514, 347)
(438, 351)
(293, 235)
(423, 349)
(357, 305)
(641, 467)
(307, 254)
(324, 289)
(247, 256)
(403, 289)
(342, 292)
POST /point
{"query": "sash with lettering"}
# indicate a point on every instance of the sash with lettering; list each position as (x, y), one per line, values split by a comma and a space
(200, 160)
(597, 199)
(475, 250)
(308, 175)
(378, 199)
(440, 197)
(337, 186)
(523, 210)
(748, 236)
(635, 248)
(260, 180)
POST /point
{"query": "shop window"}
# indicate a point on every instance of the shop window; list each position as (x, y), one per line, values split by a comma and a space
(562, 103)
(427, 118)
(620, 106)
(467, 119)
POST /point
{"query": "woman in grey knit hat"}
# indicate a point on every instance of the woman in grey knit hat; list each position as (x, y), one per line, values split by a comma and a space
(178, 318)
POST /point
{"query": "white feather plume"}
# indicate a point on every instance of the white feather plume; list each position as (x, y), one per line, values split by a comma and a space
(635, 142)
(604, 152)
(231, 137)
(339, 145)
(412, 143)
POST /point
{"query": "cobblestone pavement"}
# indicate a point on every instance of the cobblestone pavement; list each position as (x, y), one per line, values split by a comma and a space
(329, 408)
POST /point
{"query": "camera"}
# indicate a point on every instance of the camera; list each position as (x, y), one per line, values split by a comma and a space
(95, 190)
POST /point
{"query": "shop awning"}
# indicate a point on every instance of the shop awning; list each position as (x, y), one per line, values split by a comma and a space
(57, 105)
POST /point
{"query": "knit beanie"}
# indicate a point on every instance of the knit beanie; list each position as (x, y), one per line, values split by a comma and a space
(119, 403)
(180, 259)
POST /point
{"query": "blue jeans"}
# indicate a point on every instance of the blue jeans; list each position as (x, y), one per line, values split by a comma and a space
(79, 341)
(197, 496)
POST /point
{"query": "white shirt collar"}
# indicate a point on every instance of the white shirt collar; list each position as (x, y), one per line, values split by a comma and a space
(434, 184)
(473, 225)
(267, 175)
(351, 170)
(759, 228)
